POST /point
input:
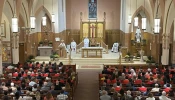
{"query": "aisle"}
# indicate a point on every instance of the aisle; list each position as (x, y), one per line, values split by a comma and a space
(87, 88)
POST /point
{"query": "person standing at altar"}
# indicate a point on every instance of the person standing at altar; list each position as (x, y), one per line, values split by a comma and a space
(73, 46)
(86, 42)
(115, 47)
(62, 44)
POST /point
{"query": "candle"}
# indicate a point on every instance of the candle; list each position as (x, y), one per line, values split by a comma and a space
(150, 46)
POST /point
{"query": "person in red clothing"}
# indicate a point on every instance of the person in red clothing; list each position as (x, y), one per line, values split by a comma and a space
(118, 87)
(143, 89)
(168, 88)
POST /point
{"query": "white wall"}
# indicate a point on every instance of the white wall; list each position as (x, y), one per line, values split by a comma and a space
(61, 14)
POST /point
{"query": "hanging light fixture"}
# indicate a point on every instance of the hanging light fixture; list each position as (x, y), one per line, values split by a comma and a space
(156, 25)
(136, 21)
(14, 20)
(53, 15)
(144, 19)
(136, 18)
(157, 22)
(32, 20)
(130, 17)
(44, 19)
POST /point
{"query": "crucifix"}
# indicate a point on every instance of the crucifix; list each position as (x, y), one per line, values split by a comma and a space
(93, 30)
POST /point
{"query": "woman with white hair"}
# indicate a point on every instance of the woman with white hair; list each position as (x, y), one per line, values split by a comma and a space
(133, 73)
(128, 95)
(163, 96)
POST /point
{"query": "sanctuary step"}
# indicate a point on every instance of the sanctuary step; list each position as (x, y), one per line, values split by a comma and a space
(85, 61)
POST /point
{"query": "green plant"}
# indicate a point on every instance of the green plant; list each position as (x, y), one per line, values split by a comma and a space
(56, 56)
(51, 56)
(127, 56)
(50, 42)
(41, 42)
(128, 53)
(31, 57)
(32, 60)
(149, 57)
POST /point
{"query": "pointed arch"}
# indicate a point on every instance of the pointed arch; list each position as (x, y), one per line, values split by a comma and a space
(141, 8)
(47, 13)
(152, 3)
(2, 3)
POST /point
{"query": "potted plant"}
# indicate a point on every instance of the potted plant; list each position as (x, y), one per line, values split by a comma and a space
(127, 58)
(50, 43)
(131, 58)
(31, 58)
(41, 43)
(56, 56)
(51, 57)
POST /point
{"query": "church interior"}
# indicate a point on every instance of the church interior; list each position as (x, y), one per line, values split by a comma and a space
(87, 50)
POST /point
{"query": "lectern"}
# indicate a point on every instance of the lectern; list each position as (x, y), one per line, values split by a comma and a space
(62, 51)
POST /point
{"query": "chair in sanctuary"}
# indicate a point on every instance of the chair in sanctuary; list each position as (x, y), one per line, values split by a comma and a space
(93, 43)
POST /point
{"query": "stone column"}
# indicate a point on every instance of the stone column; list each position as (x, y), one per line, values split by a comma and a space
(15, 49)
(165, 49)
(1, 69)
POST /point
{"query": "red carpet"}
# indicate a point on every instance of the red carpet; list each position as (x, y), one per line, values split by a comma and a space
(87, 88)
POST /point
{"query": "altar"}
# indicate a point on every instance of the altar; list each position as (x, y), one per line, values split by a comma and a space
(45, 50)
(92, 52)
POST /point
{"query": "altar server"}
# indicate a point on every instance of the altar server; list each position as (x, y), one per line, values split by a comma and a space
(115, 47)
(86, 42)
(73, 46)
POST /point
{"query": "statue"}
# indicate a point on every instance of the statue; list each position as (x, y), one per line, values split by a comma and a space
(138, 35)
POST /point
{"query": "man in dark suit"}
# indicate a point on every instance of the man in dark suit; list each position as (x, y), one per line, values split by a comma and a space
(45, 87)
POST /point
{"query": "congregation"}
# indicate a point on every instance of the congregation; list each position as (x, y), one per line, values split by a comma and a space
(141, 83)
(35, 81)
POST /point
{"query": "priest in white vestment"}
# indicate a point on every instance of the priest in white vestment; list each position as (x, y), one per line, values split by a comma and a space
(86, 42)
(62, 44)
(73, 46)
(115, 47)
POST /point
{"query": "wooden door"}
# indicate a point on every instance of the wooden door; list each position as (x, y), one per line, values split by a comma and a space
(21, 53)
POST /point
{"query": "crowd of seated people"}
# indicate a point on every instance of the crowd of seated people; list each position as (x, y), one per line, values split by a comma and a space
(35, 81)
(137, 84)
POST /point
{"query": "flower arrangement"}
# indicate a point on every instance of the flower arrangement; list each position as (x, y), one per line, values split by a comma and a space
(150, 60)
(127, 56)
(50, 42)
(54, 56)
(41, 42)
(31, 58)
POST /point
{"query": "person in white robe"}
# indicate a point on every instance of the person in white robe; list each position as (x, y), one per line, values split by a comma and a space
(62, 44)
(138, 35)
(73, 46)
(86, 42)
(115, 47)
